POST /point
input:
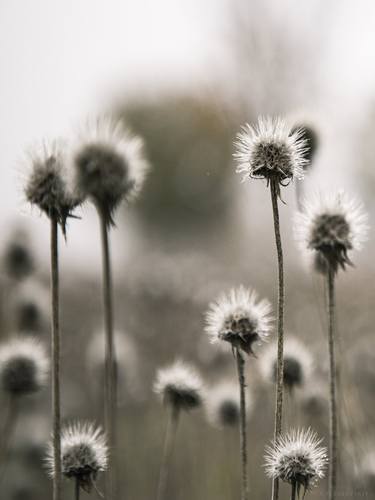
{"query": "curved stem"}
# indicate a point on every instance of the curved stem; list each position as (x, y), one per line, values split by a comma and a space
(243, 439)
(169, 439)
(55, 355)
(332, 386)
(110, 392)
(280, 326)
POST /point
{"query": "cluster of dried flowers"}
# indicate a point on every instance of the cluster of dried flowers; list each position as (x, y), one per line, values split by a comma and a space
(106, 166)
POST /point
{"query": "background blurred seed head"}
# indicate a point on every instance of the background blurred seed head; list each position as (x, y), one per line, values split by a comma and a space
(223, 405)
(46, 182)
(331, 225)
(270, 150)
(24, 366)
(109, 164)
(180, 386)
(297, 456)
(18, 258)
(29, 308)
(298, 363)
(239, 318)
(84, 453)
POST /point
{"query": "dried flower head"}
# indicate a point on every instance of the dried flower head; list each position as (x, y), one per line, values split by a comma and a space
(47, 184)
(297, 363)
(239, 318)
(84, 453)
(180, 386)
(23, 367)
(297, 458)
(223, 405)
(330, 226)
(109, 165)
(18, 258)
(270, 150)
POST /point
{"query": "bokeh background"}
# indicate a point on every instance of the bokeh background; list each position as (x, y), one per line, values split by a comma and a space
(186, 75)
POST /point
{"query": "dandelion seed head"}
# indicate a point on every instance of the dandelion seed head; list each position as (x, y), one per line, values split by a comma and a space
(47, 184)
(223, 405)
(330, 226)
(297, 457)
(239, 318)
(109, 164)
(23, 367)
(180, 386)
(297, 363)
(270, 150)
(84, 453)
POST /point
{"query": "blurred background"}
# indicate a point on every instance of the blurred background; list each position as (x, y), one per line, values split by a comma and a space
(186, 75)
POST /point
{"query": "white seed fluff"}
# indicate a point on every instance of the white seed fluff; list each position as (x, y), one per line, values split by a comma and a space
(239, 318)
(270, 149)
(84, 452)
(297, 457)
(180, 386)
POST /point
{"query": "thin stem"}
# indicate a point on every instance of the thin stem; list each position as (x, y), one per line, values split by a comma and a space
(169, 439)
(76, 489)
(55, 355)
(332, 386)
(110, 392)
(294, 491)
(243, 439)
(280, 326)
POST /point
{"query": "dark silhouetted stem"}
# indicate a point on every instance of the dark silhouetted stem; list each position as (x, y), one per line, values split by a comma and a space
(55, 355)
(294, 491)
(76, 489)
(169, 439)
(110, 392)
(280, 326)
(243, 439)
(332, 387)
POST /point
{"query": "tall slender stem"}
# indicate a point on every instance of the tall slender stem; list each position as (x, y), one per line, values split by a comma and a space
(280, 326)
(243, 438)
(332, 386)
(169, 439)
(110, 392)
(55, 355)
(294, 491)
(76, 489)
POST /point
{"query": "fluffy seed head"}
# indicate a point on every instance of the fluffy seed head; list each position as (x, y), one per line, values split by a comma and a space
(330, 226)
(239, 318)
(84, 453)
(297, 364)
(108, 164)
(297, 457)
(180, 386)
(23, 367)
(310, 136)
(223, 405)
(47, 183)
(270, 150)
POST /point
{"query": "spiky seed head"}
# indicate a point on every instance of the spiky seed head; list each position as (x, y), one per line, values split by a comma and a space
(23, 367)
(109, 164)
(223, 405)
(330, 226)
(270, 150)
(180, 386)
(297, 364)
(47, 184)
(297, 458)
(310, 136)
(238, 317)
(84, 453)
